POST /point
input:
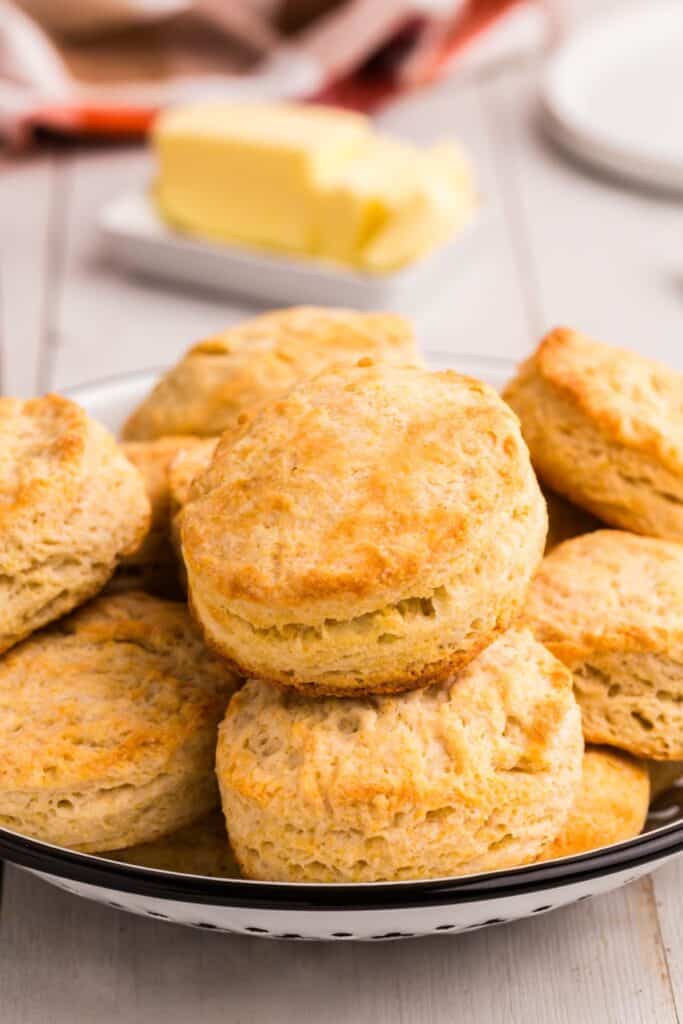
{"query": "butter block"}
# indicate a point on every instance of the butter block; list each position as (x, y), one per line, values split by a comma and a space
(360, 196)
(441, 200)
(308, 180)
(250, 172)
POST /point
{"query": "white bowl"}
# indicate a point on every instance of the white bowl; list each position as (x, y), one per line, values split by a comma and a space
(611, 94)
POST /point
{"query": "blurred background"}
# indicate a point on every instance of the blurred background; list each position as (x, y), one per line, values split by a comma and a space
(568, 110)
(106, 66)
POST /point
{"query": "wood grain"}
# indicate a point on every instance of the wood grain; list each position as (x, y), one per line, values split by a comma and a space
(482, 311)
(30, 228)
(107, 322)
(667, 886)
(603, 258)
(597, 961)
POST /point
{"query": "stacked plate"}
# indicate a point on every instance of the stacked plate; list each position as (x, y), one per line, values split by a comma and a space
(611, 95)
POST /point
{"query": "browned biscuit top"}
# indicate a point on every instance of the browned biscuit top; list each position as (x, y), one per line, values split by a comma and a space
(609, 591)
(254, 362)
(611, 805)
(115, 691)
(43, 443)
(633, 401)
(360, 487)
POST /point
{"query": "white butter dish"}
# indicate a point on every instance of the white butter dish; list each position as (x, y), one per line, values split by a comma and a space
(138, 240)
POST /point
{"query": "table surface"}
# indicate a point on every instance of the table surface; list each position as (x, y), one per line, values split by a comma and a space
(559, 245)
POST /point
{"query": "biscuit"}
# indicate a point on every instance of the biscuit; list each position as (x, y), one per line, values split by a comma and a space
(108, 724)
(610, 605)
(370, 532)
(185, 468)
(259, 360)
(200, 848)
(71, 506)
(664, 775)
(154, 460)
(605, 429)
(611, 805)
(473, 774)
(566, 520)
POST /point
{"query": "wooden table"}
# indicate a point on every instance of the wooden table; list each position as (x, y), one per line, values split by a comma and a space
(559, 246)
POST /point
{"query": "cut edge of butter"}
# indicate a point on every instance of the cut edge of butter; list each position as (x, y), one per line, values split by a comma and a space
(442, 204)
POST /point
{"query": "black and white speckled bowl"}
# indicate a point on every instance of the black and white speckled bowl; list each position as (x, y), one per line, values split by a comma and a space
(382, 910)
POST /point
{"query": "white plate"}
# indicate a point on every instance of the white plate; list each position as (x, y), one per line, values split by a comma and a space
(613, 93)
(380, 910)
(139, 240)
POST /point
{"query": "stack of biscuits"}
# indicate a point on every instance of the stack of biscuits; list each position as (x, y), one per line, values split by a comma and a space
(317, 599)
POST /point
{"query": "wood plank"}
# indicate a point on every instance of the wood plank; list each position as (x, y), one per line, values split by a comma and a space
(106, 322)
(667, 887)
(596, 961)
(482, 311)
(604, 258)
(29, 220)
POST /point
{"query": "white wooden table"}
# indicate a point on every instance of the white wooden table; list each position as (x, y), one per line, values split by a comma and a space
(561, 246)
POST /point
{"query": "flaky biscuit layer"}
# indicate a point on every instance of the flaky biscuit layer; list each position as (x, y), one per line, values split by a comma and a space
(610, 605)
(611, 805)
(108, 725)
(71, 507)
(475, 774)
(605, 429)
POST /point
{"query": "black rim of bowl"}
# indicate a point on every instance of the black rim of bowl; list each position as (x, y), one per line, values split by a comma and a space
(168, 885)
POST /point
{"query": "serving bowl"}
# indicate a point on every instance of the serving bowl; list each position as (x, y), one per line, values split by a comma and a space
(344, 912)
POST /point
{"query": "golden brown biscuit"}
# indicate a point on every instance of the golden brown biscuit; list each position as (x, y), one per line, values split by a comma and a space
(154, 460)
(611, 805)
(370, 532)
(71, 506)
(108, 725)
(185, 469)
(259, 360)
(605, 429)
(200, 848)
(474, 774)
(566, 520)
(156, 566)
(610, 606)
